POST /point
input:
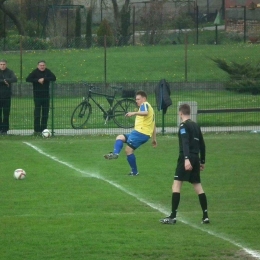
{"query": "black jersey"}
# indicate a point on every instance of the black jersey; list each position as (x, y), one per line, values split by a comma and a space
(191, 140)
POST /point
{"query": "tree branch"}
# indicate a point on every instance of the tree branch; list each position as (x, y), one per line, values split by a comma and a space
(13, 17)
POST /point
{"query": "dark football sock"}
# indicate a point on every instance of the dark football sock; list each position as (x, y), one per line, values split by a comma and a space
(203, 204)
(175, 203)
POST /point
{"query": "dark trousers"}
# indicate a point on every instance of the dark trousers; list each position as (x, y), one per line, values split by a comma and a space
(41, 113)
(5, 107)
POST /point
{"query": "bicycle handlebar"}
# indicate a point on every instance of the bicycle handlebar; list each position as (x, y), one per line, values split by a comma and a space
(92, 88)
(117, 88)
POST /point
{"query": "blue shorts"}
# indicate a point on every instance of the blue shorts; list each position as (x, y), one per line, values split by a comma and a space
(135, 139)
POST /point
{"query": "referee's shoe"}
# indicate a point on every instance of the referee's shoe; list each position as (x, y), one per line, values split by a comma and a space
(168, 220)
(205, 221)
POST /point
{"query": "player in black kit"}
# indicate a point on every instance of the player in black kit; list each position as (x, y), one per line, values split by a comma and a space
(190, 162)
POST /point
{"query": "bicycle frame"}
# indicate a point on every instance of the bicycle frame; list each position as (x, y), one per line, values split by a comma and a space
(118, 108)
(110, 99)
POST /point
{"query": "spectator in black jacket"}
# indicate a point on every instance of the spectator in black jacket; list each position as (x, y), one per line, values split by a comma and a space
(7, 77)
(41, 78)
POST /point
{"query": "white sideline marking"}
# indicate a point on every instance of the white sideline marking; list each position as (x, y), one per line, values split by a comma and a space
(249, 251)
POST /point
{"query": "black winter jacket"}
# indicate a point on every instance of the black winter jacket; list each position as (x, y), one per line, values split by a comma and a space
(9, 76)
(163, 95)
(41, 90)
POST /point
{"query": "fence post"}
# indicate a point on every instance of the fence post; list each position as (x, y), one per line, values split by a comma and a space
(67, 27)
(216, 34)
(244, 24)
(163, 123)
(197, 24)
(21, 66)
(133, 25)
(186, 57)
(52, 108)
(5, 34)
(105, 60)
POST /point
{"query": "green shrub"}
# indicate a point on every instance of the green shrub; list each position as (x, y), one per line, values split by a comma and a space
(183, 21)
(243, 77)
(150, 37)
(105, 30)
(28, 43)
(31, 28)
(58, 42)
(89, 28)
(244, 85)
(13, 42)
(234, 37)
(31, 43)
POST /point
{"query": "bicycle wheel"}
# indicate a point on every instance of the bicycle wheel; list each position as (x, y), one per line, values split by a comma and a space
(81, 115)
(120, 109)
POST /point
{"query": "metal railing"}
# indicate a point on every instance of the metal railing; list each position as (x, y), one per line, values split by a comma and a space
(232, 111)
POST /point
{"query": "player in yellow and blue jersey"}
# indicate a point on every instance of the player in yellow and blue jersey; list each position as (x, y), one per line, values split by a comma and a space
(144, 130)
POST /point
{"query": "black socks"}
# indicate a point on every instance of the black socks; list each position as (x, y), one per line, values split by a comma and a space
(203, 204)
(175, 203)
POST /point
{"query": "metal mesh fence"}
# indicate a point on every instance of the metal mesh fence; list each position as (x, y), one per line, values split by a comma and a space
(217, 109)
(243, 23)
(145, 23)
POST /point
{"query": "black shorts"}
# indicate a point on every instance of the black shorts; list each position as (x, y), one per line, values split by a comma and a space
(192, 176)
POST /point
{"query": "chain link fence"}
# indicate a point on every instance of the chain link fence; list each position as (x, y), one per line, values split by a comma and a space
(143, 23)
(217, 109)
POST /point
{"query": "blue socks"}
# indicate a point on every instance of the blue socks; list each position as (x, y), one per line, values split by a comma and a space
(130, 158)
(118, 146)
(132, 162)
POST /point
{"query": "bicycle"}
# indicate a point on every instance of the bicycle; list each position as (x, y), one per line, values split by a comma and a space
(117, 112)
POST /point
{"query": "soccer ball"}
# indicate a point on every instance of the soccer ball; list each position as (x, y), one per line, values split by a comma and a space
(19, 174)
(46, 133)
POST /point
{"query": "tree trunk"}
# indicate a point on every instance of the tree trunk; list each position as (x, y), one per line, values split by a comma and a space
(116, 10)
(12, 17)
(116, 15)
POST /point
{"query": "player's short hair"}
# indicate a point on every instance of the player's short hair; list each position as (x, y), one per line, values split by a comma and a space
(3, 60)
(141, 93)
(42, 61)
(184, 109)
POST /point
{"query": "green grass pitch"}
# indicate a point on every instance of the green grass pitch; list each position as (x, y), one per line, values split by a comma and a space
(74, 204)
(135, 63)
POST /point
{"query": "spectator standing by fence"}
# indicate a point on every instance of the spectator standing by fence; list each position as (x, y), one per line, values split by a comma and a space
(7, 77)
(41, 78)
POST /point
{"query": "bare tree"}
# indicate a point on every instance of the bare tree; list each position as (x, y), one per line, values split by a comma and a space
(92, 6)
(116, 14)
(116, 10)
(121, 18)
(12, 16)
(153, 22)
(17, 20)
